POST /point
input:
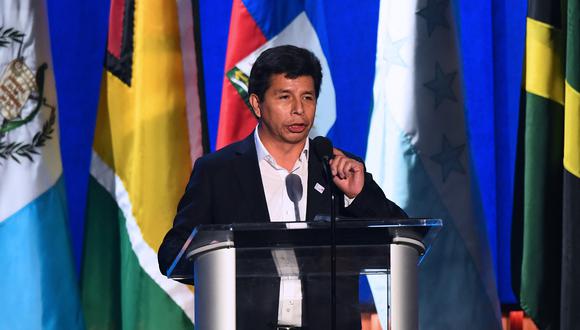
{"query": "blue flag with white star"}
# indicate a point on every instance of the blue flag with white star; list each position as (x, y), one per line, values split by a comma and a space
(418, 152)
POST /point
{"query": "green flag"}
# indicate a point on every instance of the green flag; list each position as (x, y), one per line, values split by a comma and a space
(548, 166)
(570, 318)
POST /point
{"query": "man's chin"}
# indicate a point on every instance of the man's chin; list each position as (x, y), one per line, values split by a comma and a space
(297, 138)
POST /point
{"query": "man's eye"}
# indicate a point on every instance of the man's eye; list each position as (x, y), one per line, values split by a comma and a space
(308, 97)
(283, 97)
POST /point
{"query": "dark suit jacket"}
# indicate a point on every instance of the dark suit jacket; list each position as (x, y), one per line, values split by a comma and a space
(226, 187)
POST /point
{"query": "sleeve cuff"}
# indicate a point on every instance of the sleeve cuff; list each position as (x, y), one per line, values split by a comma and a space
(348, 201)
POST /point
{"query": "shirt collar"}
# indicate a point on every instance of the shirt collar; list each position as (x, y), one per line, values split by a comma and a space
(263, 153)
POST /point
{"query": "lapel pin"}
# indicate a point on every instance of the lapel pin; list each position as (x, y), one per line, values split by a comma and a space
(318, 187)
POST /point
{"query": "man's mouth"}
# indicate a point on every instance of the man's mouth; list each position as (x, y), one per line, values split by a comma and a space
(297, 128)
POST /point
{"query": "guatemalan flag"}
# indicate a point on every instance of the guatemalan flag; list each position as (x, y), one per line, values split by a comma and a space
(38, 286)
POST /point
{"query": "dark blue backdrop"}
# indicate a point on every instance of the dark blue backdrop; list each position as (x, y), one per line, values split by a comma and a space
(491, 39)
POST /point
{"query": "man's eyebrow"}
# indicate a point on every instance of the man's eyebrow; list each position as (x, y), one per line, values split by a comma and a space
(285, 90)
(281, 90)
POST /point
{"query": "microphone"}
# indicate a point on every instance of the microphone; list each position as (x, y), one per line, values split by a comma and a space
(323, 148)
(294, 190)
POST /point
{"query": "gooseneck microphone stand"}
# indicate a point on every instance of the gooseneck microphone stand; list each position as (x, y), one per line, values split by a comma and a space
(332, 252)
(323, 148)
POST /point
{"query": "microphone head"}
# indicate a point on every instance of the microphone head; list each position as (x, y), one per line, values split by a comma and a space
(294, 187)
(322, 147)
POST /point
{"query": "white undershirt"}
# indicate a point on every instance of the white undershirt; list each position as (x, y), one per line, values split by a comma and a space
(281, 208)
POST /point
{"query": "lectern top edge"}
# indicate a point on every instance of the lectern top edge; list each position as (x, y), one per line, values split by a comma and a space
(363, 233)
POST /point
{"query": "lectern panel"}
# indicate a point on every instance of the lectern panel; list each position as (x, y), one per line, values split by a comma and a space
(267, 275)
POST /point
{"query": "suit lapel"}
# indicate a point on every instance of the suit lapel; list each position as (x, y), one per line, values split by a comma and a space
(317, 203)
(247, 171)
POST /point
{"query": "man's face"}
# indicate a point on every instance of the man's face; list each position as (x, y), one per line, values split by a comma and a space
(287, 110)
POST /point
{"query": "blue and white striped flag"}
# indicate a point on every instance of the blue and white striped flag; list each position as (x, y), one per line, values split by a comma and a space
(38, 286)
(419, 153)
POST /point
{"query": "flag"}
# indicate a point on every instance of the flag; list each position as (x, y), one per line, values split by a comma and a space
(38, 282)
(571, 209)
(419, 152)
(549, 154)
(255, 26)
(538, 202)
(148, 133)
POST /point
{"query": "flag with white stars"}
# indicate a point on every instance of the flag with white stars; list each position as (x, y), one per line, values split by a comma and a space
(419, 152)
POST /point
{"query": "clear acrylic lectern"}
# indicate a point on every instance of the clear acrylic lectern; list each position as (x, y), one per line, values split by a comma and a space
(237, 270)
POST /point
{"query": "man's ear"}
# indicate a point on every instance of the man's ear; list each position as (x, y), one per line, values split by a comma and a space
(255, 103)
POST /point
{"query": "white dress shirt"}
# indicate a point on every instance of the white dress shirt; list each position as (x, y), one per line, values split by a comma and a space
(281, 208)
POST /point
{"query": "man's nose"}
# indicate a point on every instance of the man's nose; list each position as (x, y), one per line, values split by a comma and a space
(298, 107)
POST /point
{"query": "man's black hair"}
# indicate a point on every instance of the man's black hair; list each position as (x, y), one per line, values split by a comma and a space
(289, 60)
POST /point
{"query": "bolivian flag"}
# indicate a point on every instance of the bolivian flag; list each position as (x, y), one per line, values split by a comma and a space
(147, 135)
(549, 156)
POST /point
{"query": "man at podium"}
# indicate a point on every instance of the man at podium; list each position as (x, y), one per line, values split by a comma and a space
(277, 174)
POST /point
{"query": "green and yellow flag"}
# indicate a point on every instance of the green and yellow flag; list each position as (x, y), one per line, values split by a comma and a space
(569, 316)
(549, 152)
(148, 133)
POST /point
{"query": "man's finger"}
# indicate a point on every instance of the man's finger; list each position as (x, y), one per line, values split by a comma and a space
(343, 167)
(337, 165)
(332, 163)
(346, 168)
